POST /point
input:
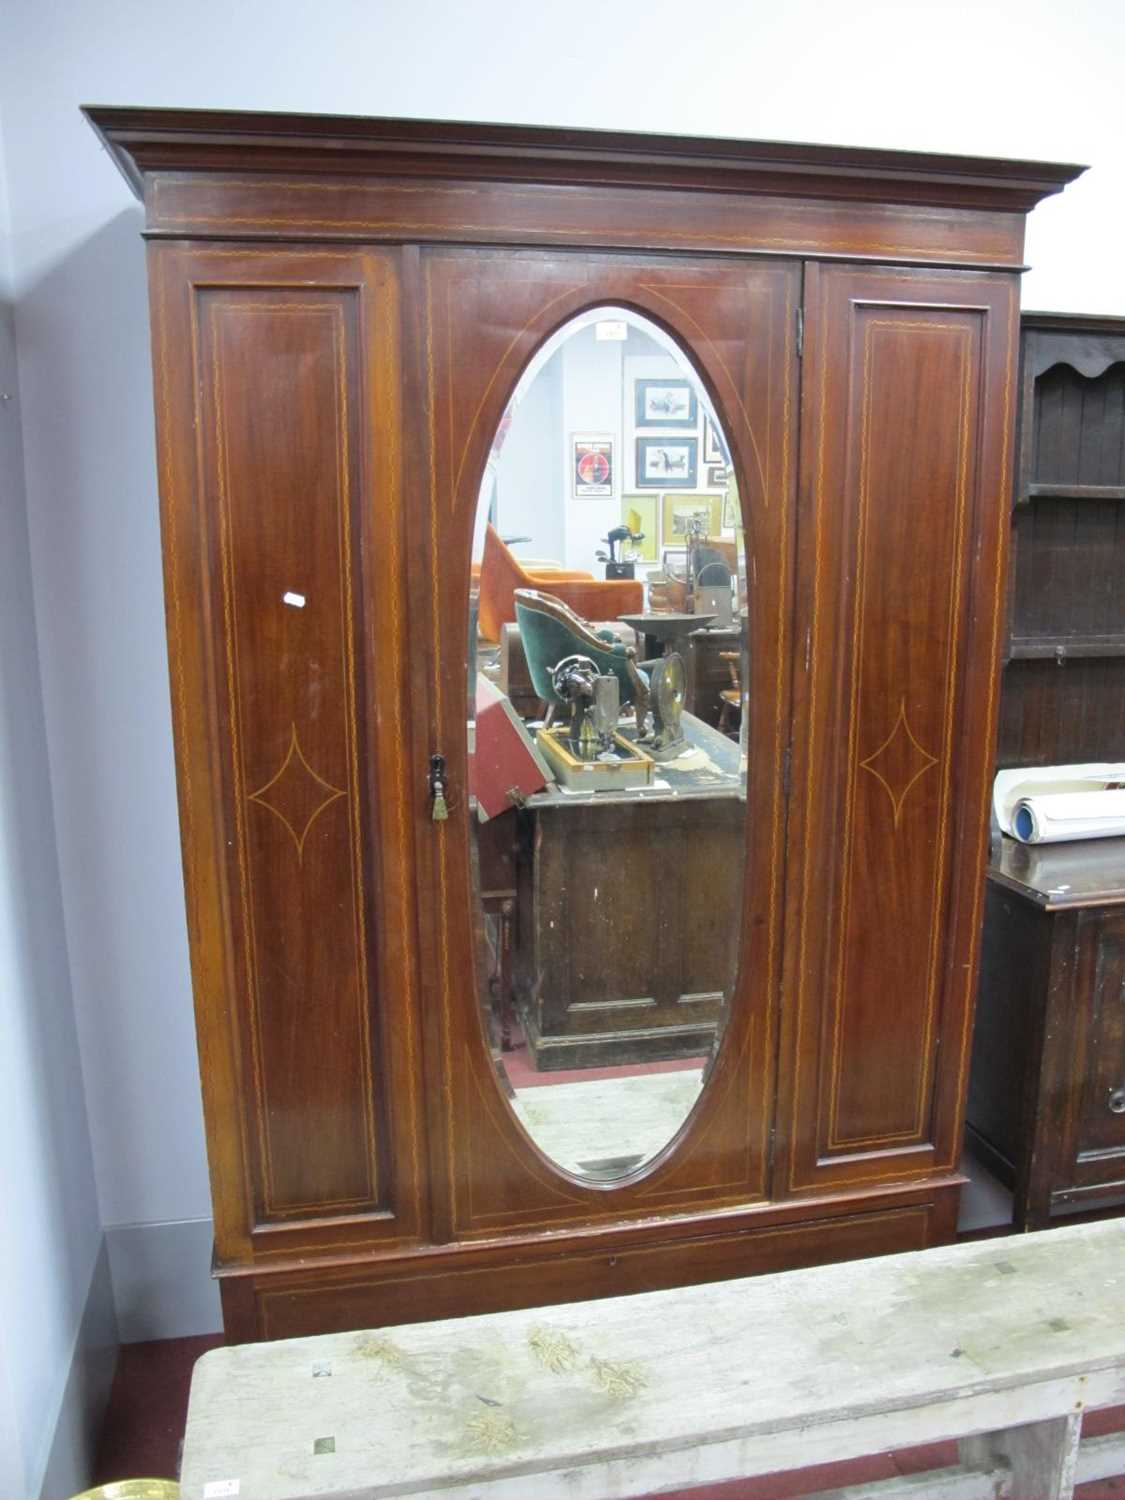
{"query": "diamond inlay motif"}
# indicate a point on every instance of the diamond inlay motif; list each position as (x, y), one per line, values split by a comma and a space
(296, 795)
(899, 762)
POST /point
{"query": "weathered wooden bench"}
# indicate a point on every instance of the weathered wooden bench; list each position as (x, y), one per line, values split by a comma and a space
(1002, 1344)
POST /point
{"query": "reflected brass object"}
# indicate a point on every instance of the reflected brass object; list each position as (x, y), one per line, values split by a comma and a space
(668, 689)
(133, 1489)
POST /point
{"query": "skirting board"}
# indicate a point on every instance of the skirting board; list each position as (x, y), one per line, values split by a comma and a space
(70, 1460)
(162, 1285)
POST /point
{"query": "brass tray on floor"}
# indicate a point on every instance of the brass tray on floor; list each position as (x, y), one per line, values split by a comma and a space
(133, 1489)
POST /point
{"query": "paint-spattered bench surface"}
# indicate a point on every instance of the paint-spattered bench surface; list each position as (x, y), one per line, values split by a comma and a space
(635, 1394)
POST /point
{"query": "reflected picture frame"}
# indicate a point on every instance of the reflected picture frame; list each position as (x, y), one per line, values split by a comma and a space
(665, 403)
(674, 506)
(732, 509)
(592, 467)
(639, 513)
(667, 463)
(714, 448)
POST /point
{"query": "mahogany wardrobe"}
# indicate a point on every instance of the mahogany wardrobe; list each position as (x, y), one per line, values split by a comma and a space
(341, 309)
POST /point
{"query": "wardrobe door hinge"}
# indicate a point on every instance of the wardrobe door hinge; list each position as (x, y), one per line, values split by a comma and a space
(800, 333)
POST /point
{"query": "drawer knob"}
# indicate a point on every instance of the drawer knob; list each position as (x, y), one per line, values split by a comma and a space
(1117, 1101)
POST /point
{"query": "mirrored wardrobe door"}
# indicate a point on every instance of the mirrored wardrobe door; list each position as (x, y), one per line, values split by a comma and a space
(609, 537)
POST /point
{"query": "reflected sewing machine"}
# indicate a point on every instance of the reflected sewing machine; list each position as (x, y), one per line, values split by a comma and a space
(591, 676)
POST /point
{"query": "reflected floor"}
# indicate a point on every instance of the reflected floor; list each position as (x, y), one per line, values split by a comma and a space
(574, 1122)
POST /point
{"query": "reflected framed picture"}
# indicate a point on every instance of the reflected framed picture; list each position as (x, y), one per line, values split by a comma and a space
(638, 512)
(592, 466)
(714, 448)
(680, 511)
(665, 403)
(732, 508)
(667, 463)
(716, 476)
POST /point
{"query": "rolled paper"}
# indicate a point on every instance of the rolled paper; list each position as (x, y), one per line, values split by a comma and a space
(1053, 817)
(1018, 784)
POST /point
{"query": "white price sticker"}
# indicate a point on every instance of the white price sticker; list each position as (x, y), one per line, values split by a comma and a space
(220, 1489)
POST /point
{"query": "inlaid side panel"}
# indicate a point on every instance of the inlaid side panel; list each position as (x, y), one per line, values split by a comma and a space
(278, 375)
(887, 778)
(294, 405)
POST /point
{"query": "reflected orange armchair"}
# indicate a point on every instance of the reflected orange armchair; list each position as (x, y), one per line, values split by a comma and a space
(593, 598)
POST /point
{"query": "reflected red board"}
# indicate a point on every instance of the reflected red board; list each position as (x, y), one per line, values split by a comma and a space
(505, 758)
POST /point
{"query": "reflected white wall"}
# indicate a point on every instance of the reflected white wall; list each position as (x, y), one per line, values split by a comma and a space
(529, 486)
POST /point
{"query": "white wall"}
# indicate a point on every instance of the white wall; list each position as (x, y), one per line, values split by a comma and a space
(529, 487)
(1023, 77)
(50, 1231)
(591, 407)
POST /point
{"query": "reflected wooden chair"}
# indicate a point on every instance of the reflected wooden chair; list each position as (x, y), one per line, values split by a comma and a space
(501, 574)
(492, 855)
(730, 697)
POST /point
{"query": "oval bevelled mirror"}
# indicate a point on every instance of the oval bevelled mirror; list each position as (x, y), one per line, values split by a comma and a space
(608, 654)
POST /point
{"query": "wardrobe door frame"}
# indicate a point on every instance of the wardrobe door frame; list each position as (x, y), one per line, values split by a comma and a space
(483, 313)
(222, 811)
(864, 775)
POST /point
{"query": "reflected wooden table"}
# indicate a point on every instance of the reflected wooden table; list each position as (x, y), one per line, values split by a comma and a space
(627, 910)
(660, 634)
(494, 858)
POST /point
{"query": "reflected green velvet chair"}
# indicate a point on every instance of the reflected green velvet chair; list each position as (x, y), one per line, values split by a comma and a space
(550, 631)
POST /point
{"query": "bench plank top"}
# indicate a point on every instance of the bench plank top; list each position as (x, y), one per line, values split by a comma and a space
(549, 1398)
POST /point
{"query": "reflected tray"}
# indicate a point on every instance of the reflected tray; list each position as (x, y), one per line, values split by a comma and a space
(631, 767)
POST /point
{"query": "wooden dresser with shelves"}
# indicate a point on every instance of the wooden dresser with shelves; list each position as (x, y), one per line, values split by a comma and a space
(1063, 687)
(1046, 1105)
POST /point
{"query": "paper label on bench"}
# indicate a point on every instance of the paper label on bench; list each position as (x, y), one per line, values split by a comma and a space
(219, 1489)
